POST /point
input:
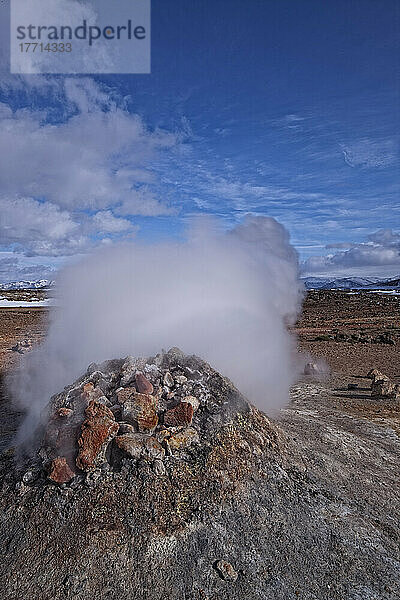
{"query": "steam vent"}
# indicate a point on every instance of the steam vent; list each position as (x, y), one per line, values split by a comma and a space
(155, 479)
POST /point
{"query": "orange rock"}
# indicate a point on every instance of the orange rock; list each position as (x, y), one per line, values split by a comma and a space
(60, 471)
(141, 409)
(90, 392)
(125, 394)
(179, 416)
(96, 432)
(64, 412)
(143, 384)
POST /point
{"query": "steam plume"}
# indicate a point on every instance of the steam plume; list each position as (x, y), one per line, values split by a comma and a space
(226, 297)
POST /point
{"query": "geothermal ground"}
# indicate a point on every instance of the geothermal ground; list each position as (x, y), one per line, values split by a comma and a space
(305, 505)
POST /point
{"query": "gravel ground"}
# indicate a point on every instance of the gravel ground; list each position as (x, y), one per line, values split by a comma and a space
(315, 515)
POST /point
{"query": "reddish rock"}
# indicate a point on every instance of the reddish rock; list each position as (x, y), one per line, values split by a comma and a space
(64, 412)
(179, 416)
(125, 394)
(143, 384)
(97, 431)
(141, 409)
(60, 471)
(91, 393)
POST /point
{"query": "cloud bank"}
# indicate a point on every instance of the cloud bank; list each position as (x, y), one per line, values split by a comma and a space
(382, 249)
(68, 183)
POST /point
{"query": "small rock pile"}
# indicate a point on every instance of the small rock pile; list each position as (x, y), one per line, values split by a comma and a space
(382, 387)
(128, 409)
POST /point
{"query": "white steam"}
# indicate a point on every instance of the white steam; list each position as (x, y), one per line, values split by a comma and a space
(226, 297)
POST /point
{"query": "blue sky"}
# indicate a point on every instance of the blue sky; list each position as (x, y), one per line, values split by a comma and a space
(275, 107)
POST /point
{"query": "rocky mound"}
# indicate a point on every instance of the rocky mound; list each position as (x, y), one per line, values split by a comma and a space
(154, 478)
(135, 412)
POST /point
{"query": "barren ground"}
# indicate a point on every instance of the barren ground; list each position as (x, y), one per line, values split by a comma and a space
(323, 527)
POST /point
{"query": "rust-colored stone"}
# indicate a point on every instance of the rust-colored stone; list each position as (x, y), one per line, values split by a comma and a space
(143, 384)
(96, 432)
(91, 393)
(179, 416)
(141, 409)
(60, 471)
(125, 394)
(64, 412)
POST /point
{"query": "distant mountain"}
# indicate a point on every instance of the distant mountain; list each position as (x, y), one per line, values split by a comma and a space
(350, 283)
(40, 284)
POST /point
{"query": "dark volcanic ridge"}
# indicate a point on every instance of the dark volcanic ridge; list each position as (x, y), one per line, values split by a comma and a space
(155, 478)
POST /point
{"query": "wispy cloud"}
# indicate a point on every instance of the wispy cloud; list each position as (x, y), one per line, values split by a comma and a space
(11, 269)
(370, 153)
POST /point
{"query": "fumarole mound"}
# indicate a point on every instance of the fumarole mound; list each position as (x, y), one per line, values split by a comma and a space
(155, 479)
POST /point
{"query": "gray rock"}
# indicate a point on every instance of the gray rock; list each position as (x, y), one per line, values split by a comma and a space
(168, 380)
(129, 368)
(126, 428)
(22, 346)
(158, 467)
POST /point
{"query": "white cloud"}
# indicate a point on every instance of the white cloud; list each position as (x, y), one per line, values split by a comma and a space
(106, 222)
(370, 153)
(67, 185)
(101, 57)
(39, 227)
(247, 196)
(74, 164)
(381, 250)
